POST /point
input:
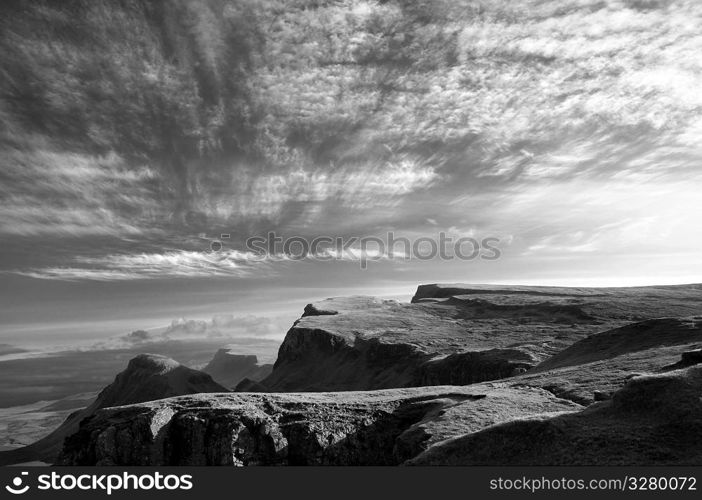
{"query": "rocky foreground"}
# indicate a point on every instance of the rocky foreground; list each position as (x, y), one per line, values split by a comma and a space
(652, 420)
(462, 375)
(350, 428)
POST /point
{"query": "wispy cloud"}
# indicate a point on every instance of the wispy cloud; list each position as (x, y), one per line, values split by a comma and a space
(190, 264)
(565, 126)
(70, 194)
(78, 274)
(177, 263)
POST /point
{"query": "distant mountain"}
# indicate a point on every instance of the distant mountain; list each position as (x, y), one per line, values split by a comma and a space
(229, 368)
(147, 377)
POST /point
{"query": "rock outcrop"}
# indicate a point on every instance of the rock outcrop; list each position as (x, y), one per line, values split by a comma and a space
(147, 377)
(350, 428)
(229, 368)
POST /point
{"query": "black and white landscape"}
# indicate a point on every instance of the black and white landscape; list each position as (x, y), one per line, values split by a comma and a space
(350, 232)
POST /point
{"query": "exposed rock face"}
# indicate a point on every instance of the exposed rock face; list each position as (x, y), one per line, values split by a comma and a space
(375, 344)
(653, 420)
(148, 377)
(455, 334)
(352, 428)
(229, 368)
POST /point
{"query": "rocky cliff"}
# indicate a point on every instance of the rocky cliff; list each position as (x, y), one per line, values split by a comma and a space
(350, 428)
(455, 334)
(652, 420)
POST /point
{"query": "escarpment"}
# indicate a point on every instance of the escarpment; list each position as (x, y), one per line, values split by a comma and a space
(350, 428)
(455, 334)
(458, 376)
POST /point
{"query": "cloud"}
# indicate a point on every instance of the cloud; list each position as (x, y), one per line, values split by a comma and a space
(627, 216)
(176, 263)
(192, 264)
(355, 187)
(73, 194)
(221, 327)
(564, 126)
(78, 274)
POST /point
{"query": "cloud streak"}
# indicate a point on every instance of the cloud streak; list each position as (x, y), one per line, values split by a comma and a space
(73, 194)
(200, 264)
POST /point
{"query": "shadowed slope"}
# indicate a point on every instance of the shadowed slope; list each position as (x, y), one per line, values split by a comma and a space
(659, 332)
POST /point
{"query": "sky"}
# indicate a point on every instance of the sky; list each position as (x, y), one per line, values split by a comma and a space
(570, 132)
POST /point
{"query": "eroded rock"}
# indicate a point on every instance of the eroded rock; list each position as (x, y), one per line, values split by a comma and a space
(352, 428)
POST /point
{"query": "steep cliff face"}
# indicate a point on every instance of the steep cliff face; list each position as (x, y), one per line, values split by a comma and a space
(362, 343)
(455, 334)
(147, 377)
(352, 428)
